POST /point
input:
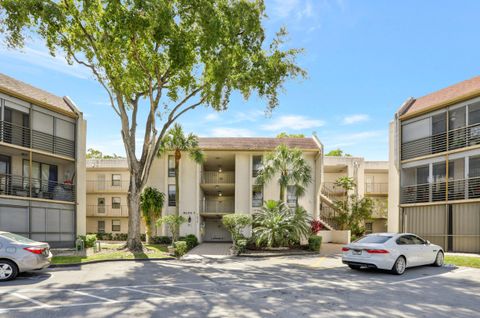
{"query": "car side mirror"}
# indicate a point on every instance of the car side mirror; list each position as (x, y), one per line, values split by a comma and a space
(427, 242)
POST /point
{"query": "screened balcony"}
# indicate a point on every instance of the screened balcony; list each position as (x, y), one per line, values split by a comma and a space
(107, 210)
(20, 186)
(217, 205)
(214, 177)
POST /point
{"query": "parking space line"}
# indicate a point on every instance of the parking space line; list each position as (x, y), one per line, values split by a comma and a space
(93, 296)
(430, 276)
(193, 289)
(36, 302)
(142, 291)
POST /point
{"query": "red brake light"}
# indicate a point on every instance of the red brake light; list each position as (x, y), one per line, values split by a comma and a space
(35, 250)
(371, 251)
(345, 249)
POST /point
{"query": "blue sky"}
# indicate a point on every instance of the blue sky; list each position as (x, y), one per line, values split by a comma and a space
(364, 58)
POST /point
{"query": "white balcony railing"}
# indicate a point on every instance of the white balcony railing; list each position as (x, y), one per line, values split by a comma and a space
(214, 177)
(224, 205)
(107, 186)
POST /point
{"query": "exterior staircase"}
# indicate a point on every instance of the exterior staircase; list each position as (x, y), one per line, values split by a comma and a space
(327, 207)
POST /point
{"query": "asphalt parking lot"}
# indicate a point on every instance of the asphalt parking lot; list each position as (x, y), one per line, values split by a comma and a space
(282, 287)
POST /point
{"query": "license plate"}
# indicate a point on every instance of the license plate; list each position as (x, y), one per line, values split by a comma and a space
(357, 252)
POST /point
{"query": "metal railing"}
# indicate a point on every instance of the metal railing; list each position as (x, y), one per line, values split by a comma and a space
(381, 188)
(214, 177)
(107, 186)
(20, 186)
(332, 190)
(457, 138)
(23, 136)
(460, 189)
(107, 210)
(329, 215)
(224, 205)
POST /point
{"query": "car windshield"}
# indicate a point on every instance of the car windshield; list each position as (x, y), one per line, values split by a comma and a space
(374, 239)
(17, 238)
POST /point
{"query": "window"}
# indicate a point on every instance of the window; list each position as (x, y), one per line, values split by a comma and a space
(115, 225)
(101, 226)
(368, 227)
(116, 180)
(405, 240)
(256, 165)
(171, 166)
(101, 205)
(378, 239)
(474, 113)
(44, 178)
(171, 195)
(257, 196)
(116, 202)
(418, 241)
(292, 199)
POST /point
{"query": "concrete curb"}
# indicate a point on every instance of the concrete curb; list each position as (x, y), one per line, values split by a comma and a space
(266, 255)
(113, 260)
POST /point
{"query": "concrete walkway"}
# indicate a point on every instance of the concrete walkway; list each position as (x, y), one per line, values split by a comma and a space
(209, 250)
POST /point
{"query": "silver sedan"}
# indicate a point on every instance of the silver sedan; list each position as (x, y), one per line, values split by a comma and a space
(20, 254)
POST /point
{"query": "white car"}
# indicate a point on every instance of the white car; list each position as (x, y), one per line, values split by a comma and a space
(391, 251)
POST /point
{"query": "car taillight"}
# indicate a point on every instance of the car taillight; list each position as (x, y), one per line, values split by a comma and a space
(372, 251)
(345, 249)
(35, 250)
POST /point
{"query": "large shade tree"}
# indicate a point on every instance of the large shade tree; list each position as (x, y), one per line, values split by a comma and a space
(289, 166)
(156, 60)
(177, 141)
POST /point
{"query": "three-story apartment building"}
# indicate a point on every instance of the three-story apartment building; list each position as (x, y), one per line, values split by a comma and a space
(107, 194)
(226, 182)
(42, 164)
(371, 180)
(435, 167)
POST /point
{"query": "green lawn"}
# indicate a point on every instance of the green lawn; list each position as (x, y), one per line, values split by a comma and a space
(110, 251)
(468, 261)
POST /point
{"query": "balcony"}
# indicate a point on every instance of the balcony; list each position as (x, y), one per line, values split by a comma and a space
(460, 189)
(376, 188)
(104, 186)
(26, 187)
(214, 177)
(331, 189)
(457, 138)
(29, 138)
(107, 211)
(224, 205)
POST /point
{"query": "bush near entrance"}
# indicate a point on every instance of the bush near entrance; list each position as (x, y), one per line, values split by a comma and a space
(314, 243)
(180, 248)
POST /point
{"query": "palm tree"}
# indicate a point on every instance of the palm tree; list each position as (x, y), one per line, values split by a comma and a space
(176, 141)
(151, 204)
(291, 168)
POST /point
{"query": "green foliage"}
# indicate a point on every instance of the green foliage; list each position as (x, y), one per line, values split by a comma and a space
(88, 240)
(191, 241)
(285, 135)
(314, 243)
(337, 153)
(235, 224)
(165, 240)
(290, 167)
(278, 225)
(151, 204)
(346, 183)
(97, 154)
(180, 248)
(352, 212)
(173, 223)
(158, 59)
(241, 245)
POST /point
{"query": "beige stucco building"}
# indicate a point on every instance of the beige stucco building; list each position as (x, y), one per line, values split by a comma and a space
(435, 167)
(42, 164)
(371, 178)
(225, 182)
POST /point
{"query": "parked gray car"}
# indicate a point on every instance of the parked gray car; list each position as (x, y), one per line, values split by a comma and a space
(20, 254)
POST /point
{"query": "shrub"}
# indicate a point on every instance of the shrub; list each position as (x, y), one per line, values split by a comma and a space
(161, 240)
(180, 248)
(88, 240)
(191, 240)
(173, 223)
(104, 236)
(235, 223)
(316, 226)
(120, 237)
(314, 243)
(241, 245)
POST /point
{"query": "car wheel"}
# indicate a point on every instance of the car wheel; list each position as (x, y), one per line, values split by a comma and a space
(8, 270)
(356, 267)
(439, 259)
(399, 266)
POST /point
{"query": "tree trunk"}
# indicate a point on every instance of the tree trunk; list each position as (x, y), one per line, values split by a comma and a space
(282, 193)
(134, 243)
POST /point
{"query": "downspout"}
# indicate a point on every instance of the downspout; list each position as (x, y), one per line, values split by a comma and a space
(320, 157)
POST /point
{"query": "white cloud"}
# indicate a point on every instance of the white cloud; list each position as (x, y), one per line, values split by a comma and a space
(212, 117)
(292, 8)
(357, 118)
(292, 122)
(335, 140)
(231, 132)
